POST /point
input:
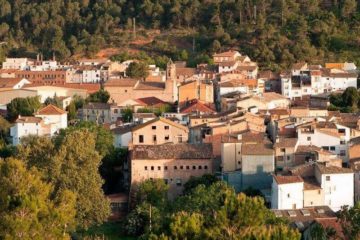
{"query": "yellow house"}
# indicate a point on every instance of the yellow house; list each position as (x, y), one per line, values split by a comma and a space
(159, 131)
(200, 90)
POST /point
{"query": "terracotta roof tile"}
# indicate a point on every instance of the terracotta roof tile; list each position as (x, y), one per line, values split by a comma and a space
(50, 110)
(28, 119)
(288, 179)
(173, 151)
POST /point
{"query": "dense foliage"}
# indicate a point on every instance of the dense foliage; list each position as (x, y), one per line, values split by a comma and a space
(273, 32)
(101, 96)
(137, 70)
(214, 212)
(22, 106)
(70, 162)
(348, 101)
(350, 220)
(29, 209)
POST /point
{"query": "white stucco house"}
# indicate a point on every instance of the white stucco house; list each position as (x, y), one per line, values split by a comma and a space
(323, 185)
(287, 192)
(327, 135)
(46, 122)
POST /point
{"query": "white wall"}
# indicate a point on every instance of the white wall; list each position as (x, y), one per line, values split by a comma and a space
(339, 190)
(20, 130)
(122, 140)
(284, 196)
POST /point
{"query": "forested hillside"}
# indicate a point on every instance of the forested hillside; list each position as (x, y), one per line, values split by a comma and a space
(273, 32)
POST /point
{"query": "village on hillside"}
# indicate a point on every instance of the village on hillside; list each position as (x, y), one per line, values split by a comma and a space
(292, 137)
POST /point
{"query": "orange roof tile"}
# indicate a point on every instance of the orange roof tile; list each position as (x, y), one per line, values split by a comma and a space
(50, 110)
(288, 179)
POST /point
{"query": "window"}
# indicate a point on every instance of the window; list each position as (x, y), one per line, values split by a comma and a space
(342, 153)
(341, 130)
(309, 138)
(332, 148)
(283, 150)
(154, 138)
(126, 90)
(342, 142)
(327, 178)
(200, 167)
(152, 168)
(115, 111)
(205, 167)
(165, 168)
(159, 168)
(145, 168)
(166, 181)
(187, 167)
(153, 127)
(288, 195)
(167, 138)
(194, 167)
(141, 138)
(288, 158)
(175, 167)
(325, 148)
(178, 182)
(181, 167)
(166, 127)
(319, 192)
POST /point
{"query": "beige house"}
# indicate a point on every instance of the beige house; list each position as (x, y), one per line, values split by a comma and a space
(121, 90)
(159, 131)
(265, 101)
(101, 113)
(174, 163)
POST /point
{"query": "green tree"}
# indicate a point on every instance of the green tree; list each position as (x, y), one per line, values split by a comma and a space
(193, 182)
(351, 97)
(4, 130)
(28, 210)
(152, 191)
(318, 232)
(77, 170)
(127, 114)
(103, 137)
(101, 96)
(22, 106)
(350, 221)
(54, 101)
(72, 164)
(187, 226)
(137, 70)
(72, 111)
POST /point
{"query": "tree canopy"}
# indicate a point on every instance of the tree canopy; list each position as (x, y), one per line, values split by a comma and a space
(211, 211)
(28, 207)
(22, 106)
(137, 70)
(70, 162)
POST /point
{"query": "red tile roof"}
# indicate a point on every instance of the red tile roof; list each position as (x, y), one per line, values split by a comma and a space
(50, 110)
(288, 179)
(150, 101)
(196, 106)
(89, 87)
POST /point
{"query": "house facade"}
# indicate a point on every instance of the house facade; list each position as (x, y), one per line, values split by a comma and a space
(174, 163)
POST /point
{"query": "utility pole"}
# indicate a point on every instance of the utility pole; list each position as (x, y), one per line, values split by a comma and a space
(134, 27)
